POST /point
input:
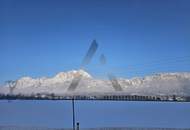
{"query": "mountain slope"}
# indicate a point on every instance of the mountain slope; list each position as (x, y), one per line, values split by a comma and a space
(159, 84)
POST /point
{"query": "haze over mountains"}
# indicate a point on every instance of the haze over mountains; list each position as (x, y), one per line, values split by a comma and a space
(158, 84)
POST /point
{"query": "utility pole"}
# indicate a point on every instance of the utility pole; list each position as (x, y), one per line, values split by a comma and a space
(73, 107)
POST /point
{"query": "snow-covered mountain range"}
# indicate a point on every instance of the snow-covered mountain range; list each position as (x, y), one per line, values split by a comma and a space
(158, 84)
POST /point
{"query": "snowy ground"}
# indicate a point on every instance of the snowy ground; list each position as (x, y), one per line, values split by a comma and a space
(93, 114)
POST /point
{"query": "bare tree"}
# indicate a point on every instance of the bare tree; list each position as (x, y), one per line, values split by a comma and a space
(12, 85)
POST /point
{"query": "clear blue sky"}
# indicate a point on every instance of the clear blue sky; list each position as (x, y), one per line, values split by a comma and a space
(43, 37)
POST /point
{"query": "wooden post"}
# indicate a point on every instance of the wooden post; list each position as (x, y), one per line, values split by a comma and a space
(78, 126)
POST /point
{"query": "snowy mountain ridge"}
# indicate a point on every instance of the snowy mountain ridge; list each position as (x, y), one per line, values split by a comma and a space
(158, 84)
(44, 81)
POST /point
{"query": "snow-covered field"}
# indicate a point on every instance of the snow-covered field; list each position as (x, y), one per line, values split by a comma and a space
(95, 114)
(106, 128)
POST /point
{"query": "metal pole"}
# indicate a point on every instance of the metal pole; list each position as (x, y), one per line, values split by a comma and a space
(73, 107)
